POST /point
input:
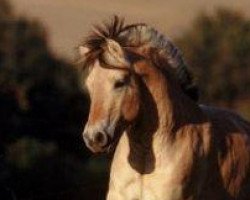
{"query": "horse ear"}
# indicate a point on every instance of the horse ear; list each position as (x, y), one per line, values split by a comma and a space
(113, 47)
(114, 54)
(83, 50)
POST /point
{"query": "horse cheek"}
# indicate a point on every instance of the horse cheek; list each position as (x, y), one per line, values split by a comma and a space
(130, 108)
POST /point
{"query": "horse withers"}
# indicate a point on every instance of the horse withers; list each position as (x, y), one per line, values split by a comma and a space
(144, 101)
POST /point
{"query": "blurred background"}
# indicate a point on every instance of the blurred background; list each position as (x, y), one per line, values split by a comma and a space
(43, 109)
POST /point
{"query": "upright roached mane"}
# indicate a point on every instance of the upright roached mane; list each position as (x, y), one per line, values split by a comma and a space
(140, 36)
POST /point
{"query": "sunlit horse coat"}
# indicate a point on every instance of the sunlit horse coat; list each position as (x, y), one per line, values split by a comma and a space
(169, 147)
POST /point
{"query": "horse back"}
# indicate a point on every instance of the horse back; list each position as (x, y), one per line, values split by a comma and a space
(230, 155)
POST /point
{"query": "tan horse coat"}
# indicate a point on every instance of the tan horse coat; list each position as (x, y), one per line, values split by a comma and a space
(180, 150)
(172, 149)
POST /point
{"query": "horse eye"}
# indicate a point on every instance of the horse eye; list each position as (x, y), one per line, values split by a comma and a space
(121, 83)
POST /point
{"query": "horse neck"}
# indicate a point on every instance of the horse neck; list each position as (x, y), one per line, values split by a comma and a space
(165, 108)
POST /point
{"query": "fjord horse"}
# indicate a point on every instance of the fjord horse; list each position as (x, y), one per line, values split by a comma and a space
(144, 101)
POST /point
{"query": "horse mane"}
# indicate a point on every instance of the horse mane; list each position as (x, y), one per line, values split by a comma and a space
(141, 35)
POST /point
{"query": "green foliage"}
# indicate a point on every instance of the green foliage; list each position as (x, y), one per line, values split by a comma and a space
(42, 112)
(24, 152)
(40, 171)
(5, 10)
(218, 49)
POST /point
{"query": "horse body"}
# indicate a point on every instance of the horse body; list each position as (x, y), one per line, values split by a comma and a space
(211, 166)
(195, 153)
(230, 155)
(169, 147)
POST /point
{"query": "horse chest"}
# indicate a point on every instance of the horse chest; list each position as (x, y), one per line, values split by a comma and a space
(154, 186)
(127, 183)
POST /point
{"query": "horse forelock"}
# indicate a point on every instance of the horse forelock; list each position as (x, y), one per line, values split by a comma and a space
(99, 37)
(139, 35)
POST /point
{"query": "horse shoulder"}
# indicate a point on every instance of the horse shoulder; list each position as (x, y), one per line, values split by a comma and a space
(124, 181)
(231, 150)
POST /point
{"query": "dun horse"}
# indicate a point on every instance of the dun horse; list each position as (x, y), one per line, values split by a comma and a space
(144, 101)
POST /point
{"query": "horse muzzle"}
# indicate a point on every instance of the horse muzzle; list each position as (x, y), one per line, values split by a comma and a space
(98, 141)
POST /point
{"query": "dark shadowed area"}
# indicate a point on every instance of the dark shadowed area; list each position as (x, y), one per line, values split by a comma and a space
(43, 108)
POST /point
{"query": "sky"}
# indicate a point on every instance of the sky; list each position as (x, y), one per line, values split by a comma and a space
(69, 21)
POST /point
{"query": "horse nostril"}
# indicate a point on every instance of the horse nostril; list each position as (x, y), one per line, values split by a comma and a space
(100, 138)
(85, 136)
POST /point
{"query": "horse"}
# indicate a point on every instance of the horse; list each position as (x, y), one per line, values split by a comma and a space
(144, 104)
